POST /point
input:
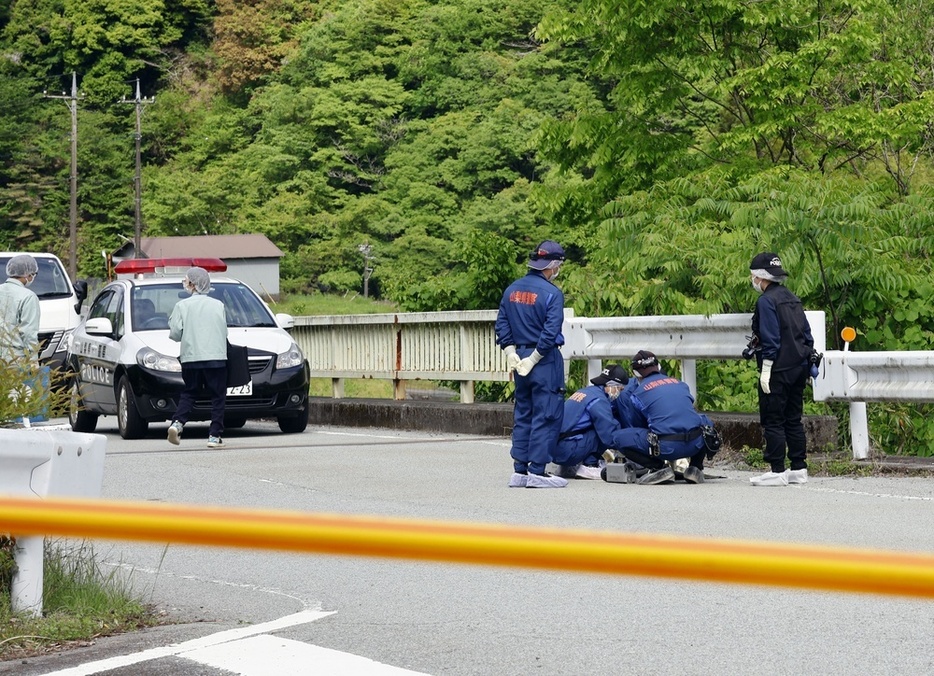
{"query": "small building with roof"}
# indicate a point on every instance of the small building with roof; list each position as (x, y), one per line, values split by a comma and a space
(253, 259)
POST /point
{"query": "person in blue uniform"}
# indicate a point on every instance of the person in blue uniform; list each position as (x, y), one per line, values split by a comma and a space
(784, 347)
(590, 427)
(663, 424)
(528, 329)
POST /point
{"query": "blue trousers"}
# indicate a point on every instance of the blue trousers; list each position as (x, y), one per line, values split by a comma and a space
(537, 416)
(637, 448)
(581, 449)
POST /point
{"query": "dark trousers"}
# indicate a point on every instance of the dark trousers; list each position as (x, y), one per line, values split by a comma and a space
(636, 449)
(198, 379)
(780, 414)
(658, 461)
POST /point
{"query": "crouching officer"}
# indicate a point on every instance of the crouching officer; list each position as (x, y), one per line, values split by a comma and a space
(664, 425)
(589, 426)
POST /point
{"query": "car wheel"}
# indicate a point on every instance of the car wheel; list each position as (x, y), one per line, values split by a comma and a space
(234, 423)
(294, 424)
(129, 421)
(81, 420)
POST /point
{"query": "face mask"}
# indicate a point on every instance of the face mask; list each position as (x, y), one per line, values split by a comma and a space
(29, 280)
(613, 393)
(756, 284)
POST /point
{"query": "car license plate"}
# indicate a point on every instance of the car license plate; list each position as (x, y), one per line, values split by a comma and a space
(240, 390)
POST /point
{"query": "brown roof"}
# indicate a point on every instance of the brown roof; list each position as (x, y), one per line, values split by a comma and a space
(218, 246)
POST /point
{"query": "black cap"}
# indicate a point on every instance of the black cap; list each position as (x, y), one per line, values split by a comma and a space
(612, 375)
(645, 362)
(770, 262)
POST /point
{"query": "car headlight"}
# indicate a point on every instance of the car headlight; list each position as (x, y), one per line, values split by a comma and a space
(156, 361)
(65, 343)
(293, 357)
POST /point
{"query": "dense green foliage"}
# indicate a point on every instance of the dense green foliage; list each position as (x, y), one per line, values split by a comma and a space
(663, 143)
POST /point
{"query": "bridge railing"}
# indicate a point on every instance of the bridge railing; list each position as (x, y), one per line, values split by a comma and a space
(461, 346)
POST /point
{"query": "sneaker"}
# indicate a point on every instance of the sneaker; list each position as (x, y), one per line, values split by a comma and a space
(518, 480)
(215, 442)
(797, 476)
(175, 432)
(619, 473)
(546, 481)
(694, 475)
(659, 476)
(585, 472)
(770, 479)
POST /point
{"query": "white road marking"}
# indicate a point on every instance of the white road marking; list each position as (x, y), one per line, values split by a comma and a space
(871, 495)
(177, 649)
(271, 656)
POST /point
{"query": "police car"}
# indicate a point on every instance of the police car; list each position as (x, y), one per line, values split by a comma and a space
(124, 364)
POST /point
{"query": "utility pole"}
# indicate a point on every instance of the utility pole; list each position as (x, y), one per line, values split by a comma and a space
(138, 102)
(72, 103)
(367, 270)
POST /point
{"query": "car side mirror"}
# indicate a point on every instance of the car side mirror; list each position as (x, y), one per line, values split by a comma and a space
(285, 321)
(81, 291)
(99, 326)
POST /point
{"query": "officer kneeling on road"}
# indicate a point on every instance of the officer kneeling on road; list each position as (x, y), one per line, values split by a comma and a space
(664, 426)
(589, 427)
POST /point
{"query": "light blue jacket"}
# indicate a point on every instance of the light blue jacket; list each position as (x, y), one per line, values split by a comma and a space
(200, 324)
(19, 332)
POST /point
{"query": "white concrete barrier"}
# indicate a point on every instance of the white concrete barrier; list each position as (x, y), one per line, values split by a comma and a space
(39, 462)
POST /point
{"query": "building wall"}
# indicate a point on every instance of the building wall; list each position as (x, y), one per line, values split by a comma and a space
(261, 275)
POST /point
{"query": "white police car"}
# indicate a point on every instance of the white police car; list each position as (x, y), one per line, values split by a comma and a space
(124, 363)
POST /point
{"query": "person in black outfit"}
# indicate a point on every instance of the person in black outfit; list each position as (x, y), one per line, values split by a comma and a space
(784, 347)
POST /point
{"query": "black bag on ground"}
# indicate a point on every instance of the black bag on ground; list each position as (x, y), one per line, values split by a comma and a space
(238, 365)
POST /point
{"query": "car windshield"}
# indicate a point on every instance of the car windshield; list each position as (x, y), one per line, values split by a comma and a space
(152, 305)
(51, 282)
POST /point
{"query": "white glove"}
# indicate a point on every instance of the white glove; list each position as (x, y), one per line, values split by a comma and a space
(526, 365)
(512, 359)
(766, 375)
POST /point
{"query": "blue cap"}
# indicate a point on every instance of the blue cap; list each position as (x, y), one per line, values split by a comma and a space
(545, 254)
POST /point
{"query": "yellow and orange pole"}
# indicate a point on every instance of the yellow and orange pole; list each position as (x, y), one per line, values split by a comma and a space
(738, 562)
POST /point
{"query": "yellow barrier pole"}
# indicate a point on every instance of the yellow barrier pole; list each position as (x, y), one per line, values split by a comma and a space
(745, 562)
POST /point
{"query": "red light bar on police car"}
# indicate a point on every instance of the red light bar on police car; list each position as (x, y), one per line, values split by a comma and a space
(142, 266)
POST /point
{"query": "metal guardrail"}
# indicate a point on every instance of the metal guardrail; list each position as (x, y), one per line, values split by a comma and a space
(462, 346)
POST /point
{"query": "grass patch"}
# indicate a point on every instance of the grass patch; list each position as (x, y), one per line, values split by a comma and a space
(80, 603)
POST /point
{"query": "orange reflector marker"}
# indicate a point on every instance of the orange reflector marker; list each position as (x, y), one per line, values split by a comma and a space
(743, 562)
(848, 334)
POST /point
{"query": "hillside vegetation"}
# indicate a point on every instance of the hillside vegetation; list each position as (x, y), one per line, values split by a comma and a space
(663, 143)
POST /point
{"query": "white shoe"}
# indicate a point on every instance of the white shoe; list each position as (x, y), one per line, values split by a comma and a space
(770, 479)
(518, 480)
(545, 481)
(797, 476)
(585, 472)
(175, 432)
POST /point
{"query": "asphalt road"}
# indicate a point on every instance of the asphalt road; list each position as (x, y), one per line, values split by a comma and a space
(449, 619)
